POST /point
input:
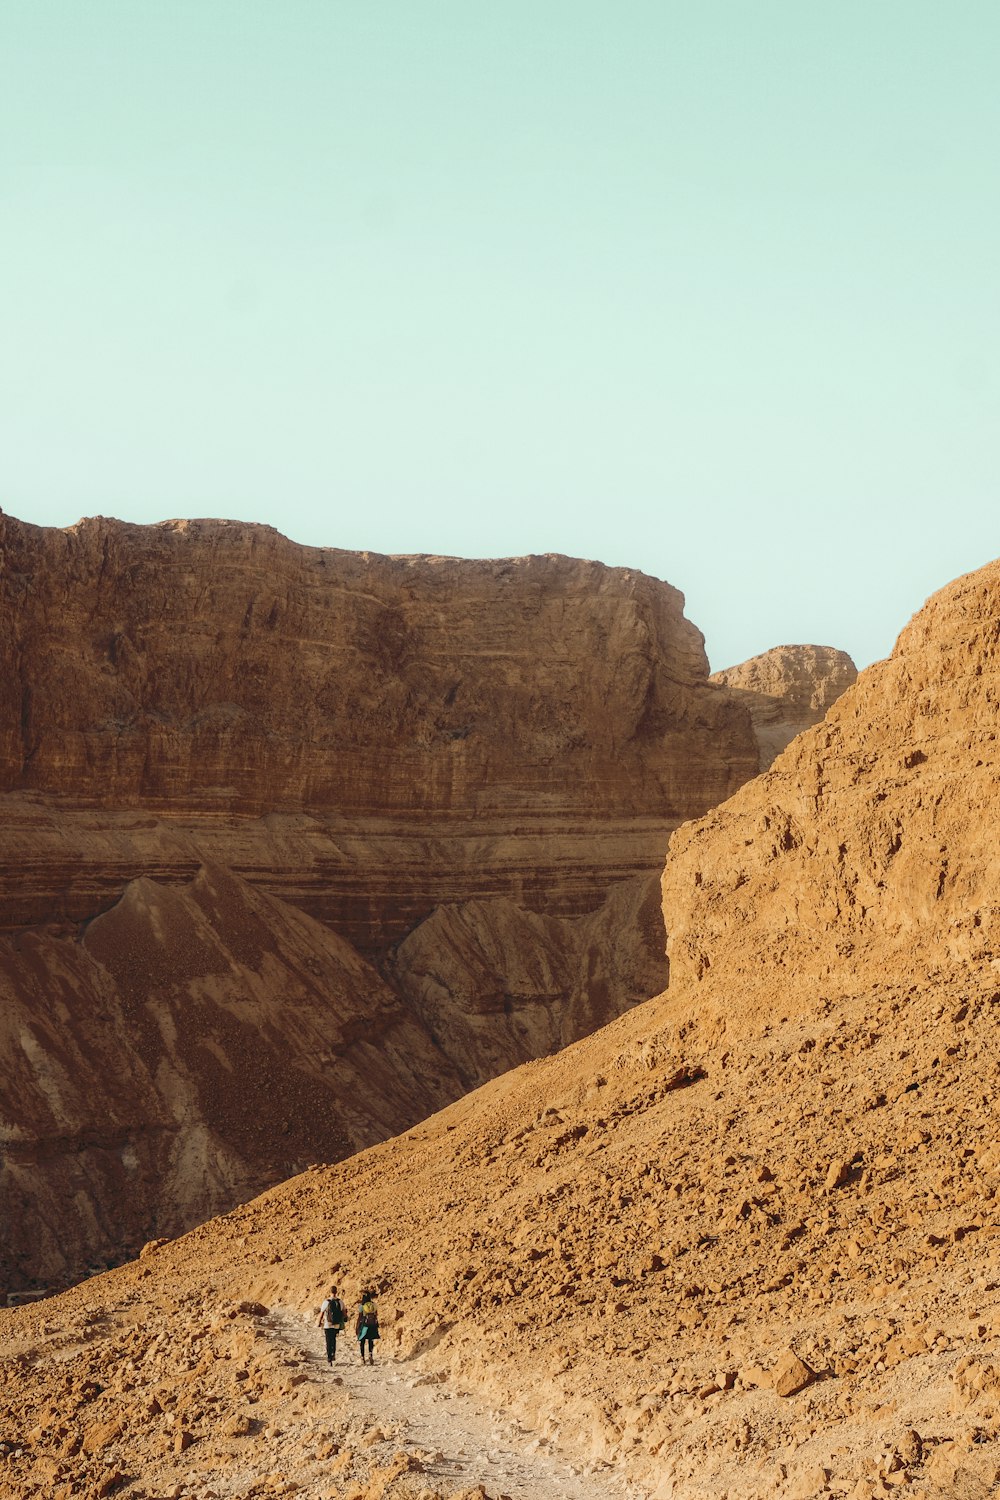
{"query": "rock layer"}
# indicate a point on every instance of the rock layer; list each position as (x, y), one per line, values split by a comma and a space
(368, 737)
(217, 667)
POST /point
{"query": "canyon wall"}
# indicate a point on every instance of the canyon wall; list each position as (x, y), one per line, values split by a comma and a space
(296, 844)
(368, 737)
(217, 667)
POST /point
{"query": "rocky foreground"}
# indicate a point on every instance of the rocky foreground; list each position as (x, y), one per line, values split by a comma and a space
(744, 1242)
(762, 1269)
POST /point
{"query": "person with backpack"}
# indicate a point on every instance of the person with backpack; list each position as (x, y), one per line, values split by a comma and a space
(332, 1319)
(366, 1325)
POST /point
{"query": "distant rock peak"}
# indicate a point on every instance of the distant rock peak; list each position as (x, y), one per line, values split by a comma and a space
(787, 690)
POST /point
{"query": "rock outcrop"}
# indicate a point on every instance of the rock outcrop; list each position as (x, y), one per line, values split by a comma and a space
(787, 690)
(194, 1042)
(742, 1241)
(230, 765)
(869, 844)
(216, 667)
(200, 1040)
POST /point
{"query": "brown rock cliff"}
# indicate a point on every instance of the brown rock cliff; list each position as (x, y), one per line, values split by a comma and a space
(214, 666)
(369, 737)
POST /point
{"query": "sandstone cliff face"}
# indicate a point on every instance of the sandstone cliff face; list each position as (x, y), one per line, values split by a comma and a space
(209, 736)
(369, 737)
(218, 667)
(787, 690)
(870, 840)
(743, 1241)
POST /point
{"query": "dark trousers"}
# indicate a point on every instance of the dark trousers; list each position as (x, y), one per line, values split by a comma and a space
(371, 1346)
(330, 1334)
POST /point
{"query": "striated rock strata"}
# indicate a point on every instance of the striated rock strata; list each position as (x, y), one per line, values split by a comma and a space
(368, 737)
(215, 667)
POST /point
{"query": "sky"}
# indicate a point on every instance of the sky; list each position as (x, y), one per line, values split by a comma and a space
(706, 288)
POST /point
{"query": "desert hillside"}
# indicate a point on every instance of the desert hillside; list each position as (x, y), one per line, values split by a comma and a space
(742, 1242)
(869, 845)
(297, 844)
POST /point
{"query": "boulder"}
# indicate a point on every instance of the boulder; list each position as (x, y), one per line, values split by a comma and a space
(790, 1374)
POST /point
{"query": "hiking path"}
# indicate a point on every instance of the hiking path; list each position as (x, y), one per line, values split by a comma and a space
(458, 1441)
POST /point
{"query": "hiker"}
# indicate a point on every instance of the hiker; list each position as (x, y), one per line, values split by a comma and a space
(366, 1325)
(332, 1319)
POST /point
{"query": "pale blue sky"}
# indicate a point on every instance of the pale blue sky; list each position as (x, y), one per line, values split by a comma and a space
(707, 288)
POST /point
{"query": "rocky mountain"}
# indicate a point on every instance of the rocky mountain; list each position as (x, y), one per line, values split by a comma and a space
(742, 1242)
(186, 1047)
(212, 667)
(786, 690)
(297, 844)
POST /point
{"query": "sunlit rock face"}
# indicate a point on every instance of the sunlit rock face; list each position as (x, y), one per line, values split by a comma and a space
(870, 842)
(366, 736)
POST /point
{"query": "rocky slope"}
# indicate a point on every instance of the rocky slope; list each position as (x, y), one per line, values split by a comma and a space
(229, 767)
(190, 1045)
(201, 1039)
(869, 842)
(787, 690)
(743, 1242)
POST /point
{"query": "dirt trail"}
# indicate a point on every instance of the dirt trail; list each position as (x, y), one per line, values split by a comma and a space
(458, 1442)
